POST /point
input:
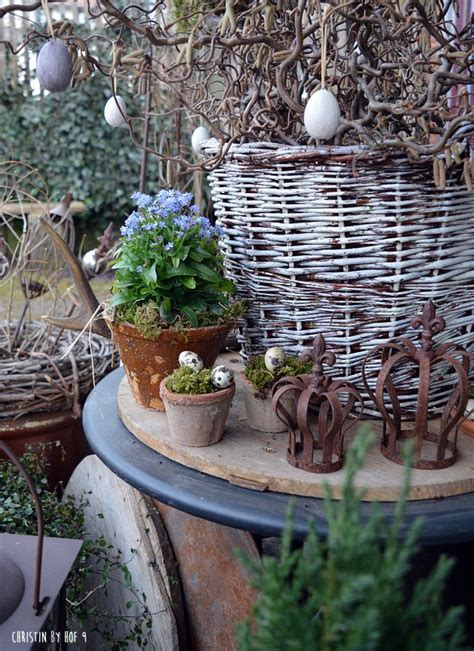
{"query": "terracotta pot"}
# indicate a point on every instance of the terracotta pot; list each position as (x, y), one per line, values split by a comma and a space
(197, 421)
(260, 415)
(467, 427)
(148, 361)
(34, 430)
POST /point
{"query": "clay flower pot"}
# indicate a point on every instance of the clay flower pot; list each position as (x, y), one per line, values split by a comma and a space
(197, 420)
(260, 415)
(466, 426)
(148, 361)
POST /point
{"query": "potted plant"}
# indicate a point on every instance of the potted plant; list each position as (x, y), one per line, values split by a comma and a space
(260, 374)
(197, 404)
(169, 292)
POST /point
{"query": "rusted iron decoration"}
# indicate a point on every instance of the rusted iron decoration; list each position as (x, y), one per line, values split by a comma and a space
(433, 449)
(322, 407)
(38, 603)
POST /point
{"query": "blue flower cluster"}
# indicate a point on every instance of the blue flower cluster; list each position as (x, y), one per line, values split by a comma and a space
(168, 207)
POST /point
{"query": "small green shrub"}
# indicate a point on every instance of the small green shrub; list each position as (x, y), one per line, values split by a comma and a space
(347, 592)
(186, 380)
(263, 380)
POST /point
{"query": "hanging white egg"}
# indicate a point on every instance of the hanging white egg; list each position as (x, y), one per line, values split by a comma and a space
(54, 66)
(188, 358)
(322, 115)
(114, 109)
(222, 376)
(199, 136)
(274, 359)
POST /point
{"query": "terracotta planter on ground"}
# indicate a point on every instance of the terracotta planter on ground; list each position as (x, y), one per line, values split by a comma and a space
(260, 415)
(148, 361)
(197, 420)
(62, 427)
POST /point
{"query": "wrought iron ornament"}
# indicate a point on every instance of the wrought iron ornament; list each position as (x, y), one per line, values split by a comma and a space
(433, 449)
(322, 407)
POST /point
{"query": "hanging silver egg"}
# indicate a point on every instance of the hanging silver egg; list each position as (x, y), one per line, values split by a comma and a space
(54, 66)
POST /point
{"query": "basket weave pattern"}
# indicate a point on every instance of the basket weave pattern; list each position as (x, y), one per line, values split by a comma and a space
(324, 240)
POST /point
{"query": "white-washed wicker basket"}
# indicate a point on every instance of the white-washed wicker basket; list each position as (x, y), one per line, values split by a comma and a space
(346, 243)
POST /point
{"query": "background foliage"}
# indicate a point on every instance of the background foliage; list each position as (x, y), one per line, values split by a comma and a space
(66, 137)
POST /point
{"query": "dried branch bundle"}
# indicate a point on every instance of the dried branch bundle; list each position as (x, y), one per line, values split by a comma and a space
(35, 377)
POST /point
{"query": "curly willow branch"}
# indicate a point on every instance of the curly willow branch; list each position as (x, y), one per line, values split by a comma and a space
(402, 71)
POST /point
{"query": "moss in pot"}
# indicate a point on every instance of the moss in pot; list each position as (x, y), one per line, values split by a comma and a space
(260, 374)
(169, 293)
(197, 404)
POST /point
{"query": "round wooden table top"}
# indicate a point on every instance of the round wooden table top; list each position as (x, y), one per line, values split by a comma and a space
(446, 520)
(257, 460)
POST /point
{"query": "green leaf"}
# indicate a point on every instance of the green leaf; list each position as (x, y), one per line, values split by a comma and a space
(166, 307)
(190, 283)
(191, 314)
(205, 273)
(149, 274)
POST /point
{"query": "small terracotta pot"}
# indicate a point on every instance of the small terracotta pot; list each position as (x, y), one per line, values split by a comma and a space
(260, 415)
(197, 421)
(148, 361)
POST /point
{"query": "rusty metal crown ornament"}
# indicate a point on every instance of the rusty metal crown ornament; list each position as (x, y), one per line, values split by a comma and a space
(432, 449)
(322, 407)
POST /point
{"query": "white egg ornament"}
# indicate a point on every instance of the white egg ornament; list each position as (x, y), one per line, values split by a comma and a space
(274, 359)
(54, 66)
(322, 115)
(113, 111)
(222, 376)
(199, 136)
(188, 358)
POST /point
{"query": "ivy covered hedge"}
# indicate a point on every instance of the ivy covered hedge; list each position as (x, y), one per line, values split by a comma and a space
(66, 137)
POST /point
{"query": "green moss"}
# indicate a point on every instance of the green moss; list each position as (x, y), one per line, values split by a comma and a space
(146, 318)
(186, 380)
(262, 380)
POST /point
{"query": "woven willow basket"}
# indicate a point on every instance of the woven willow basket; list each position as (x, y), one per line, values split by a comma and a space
(337, 241)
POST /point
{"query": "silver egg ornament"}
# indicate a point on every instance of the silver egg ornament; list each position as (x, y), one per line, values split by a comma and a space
(188, 358)
(274, 359)
(54, 66)
(222, 376)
